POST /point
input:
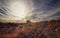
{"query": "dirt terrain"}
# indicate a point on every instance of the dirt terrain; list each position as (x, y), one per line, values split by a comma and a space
(43, 29)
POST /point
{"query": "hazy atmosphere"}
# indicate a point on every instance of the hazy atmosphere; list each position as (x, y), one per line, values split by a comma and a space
(35, 10)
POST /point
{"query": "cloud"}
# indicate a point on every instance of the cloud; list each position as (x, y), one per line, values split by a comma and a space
(38, 10)
(8, 8)
(45, 10)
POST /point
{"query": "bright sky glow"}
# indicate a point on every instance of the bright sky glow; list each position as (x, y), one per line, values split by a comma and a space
(37, 10)
(18, 9)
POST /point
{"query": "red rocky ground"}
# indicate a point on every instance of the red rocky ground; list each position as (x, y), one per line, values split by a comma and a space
(45, 29)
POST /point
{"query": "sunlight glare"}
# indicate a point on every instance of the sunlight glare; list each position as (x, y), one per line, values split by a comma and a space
(18, 9)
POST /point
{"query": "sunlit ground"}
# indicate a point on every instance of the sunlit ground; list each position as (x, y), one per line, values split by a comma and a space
(44, 29)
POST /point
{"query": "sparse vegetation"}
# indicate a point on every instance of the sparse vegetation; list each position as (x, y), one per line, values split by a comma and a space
(45, 29)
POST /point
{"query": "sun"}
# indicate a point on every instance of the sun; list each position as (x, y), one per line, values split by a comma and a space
(18, 9)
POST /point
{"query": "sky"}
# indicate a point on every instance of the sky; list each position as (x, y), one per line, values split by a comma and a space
(35, 10)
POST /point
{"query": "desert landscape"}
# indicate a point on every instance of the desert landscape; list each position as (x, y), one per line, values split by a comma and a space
(42, 29)
(29, 18)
